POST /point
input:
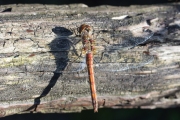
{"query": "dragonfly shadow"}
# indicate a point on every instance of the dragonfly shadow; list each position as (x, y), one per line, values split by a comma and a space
(59, 47)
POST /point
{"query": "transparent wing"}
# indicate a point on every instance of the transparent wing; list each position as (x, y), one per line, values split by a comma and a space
(67, 54)
(120, 61)
(75, 67)
(115, 49)
(122, 40)
(111, 40)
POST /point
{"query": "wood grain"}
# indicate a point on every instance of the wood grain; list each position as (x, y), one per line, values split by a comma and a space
(34, 45)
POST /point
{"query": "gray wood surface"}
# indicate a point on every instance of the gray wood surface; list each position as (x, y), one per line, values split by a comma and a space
(37, 42)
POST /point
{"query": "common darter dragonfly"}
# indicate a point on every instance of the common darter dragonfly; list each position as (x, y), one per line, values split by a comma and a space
(94, 53)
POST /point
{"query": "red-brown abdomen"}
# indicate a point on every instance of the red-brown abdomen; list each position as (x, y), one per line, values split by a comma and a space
(89, 62)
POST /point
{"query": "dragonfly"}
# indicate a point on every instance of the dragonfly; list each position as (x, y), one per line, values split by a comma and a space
(108, 57)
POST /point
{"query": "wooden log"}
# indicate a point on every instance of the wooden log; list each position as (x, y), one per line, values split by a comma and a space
(38, 43)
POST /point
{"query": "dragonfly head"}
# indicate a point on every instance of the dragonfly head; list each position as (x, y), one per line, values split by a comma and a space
(85, 29)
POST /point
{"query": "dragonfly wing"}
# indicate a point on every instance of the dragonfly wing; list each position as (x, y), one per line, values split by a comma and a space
(134, 41)
(75, 67)
(123, 40)
(116, 53)
(67, 55)
(121, 61)
(115, 67)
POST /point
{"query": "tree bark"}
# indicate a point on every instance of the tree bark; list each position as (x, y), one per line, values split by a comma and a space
(37, 43)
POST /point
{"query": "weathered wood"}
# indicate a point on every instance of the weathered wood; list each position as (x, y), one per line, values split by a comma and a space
(31, 37)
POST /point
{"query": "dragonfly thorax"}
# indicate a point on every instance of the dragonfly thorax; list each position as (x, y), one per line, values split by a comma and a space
(86, 32)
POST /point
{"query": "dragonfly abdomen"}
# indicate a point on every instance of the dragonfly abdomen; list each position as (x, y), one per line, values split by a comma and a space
(89, 62)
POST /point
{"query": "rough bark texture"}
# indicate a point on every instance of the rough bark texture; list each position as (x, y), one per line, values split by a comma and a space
(37, 42)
